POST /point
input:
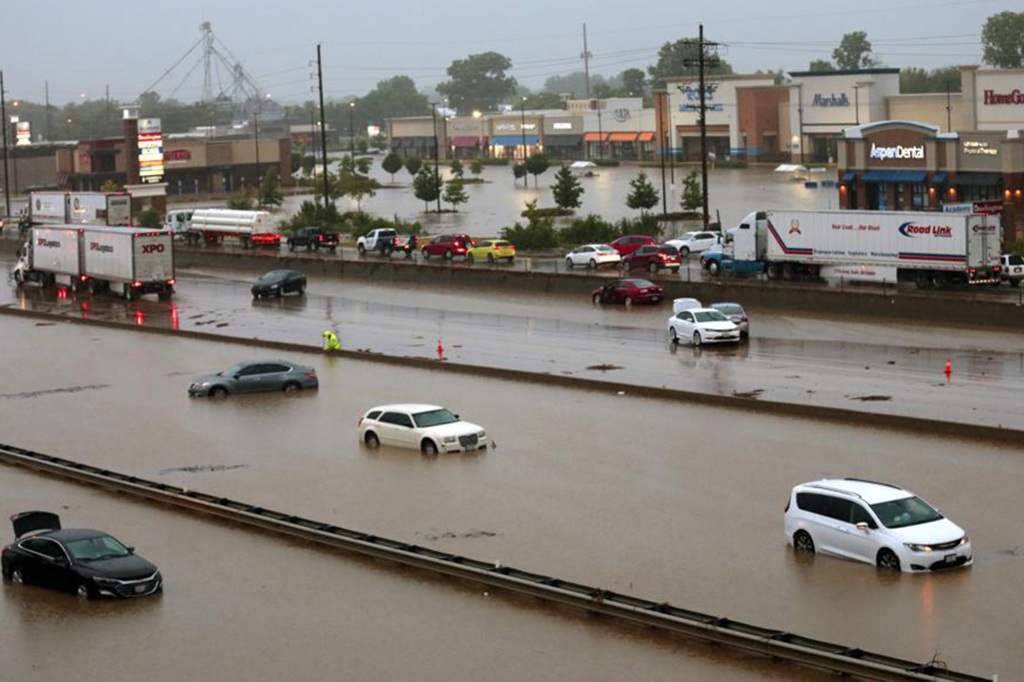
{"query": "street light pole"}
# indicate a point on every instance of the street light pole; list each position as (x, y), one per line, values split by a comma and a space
(3, 116)
(259, 170)
(522, 131)
(351, 131)
(437, 171)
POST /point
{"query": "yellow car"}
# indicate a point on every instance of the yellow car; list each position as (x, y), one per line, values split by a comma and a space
(492, 250)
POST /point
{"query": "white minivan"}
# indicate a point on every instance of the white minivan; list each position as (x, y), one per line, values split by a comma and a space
(876, 523)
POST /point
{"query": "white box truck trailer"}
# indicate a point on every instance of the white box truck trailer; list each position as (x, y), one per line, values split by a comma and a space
(79, 208)
(98, 258)
(214, 225)
(931, 249)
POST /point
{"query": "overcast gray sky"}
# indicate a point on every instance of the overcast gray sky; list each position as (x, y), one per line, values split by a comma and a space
(84, 48)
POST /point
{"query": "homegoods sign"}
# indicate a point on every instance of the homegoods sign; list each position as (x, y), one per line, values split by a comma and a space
(896, 152)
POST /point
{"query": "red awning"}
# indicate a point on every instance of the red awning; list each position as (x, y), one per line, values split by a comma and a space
(646, 137)
(622, 137)
(595, 137)
(465, 141)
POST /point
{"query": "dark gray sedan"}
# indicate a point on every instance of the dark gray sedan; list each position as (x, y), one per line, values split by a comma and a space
(256, 376)
(277, 283)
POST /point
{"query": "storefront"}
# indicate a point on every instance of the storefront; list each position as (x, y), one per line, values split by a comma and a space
(515, 136)
(563, 137)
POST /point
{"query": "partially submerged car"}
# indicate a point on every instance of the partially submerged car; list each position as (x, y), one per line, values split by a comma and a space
(89, 563)
(256, 376)
(427, 428)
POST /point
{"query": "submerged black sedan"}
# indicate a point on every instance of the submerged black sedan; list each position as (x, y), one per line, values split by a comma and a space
(89, 563)
(277, 283)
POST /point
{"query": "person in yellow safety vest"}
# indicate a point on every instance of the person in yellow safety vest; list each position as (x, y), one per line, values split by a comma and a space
(331, 341)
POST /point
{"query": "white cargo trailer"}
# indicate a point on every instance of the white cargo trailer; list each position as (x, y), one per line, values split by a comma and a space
(250, 228)
(125, 261)
(129, 262)
(80, 208)
(932, 249)
(48, 208)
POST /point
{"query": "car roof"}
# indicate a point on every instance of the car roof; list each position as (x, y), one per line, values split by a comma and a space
(406, 407)
(871, 492)
(67, 534)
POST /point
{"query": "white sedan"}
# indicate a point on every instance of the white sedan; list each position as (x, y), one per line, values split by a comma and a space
(593, 256)
(695, 242)
(702, 325)
(427, 428)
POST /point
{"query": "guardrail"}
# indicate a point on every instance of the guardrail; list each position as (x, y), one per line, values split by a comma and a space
(769, 642)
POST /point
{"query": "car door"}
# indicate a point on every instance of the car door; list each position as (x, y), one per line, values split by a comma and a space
(621, 291)
(45, 564)
(249, 379)
(390, 428)
(858, 543)
(581, 255)
(684, 324)
(272, 376)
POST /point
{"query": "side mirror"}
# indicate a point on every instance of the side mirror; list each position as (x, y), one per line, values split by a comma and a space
(862, 526)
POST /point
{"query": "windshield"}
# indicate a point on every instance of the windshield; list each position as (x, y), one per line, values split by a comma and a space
(642, 283)
(274, 275)
(729, 309)
(709, 316)
(910, 511)
(434, 418)
(96, 548)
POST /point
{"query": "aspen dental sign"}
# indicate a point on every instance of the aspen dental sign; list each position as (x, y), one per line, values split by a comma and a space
(896, 152)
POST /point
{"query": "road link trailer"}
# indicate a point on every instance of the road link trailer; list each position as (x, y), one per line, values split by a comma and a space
(214, 225)
(127, 262)
(932, 249)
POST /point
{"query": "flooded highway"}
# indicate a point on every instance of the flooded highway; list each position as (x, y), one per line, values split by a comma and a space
(672, 502)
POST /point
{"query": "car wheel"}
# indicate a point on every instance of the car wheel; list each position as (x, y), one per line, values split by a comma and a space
(471, 260)
(291, 246)
(292, 387)
(512, 259)
(684, 252)
(713, 268)
(371, 440)
(490, 258)
(653, 267)
(83, 591)
(802, 541)
(426, 254)
(592, 264)
(887, 560)
(218, 392)
(361, 249)
(628, 301)
(448, 254)
(673, 335)
(696, 339)
(569, 263)
(596, 299)
(302, 289)
(428, 447)
(17, 576)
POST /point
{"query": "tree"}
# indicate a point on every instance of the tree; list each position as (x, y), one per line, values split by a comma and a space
(542, 100)
(270, 188)
(426, 186)
(567, 189)
(476, 167)
(413, 165)
(478, 82)
(519, 171)
(1003, 39)
(680, 59)
(644, 196)
(634, 82)
(353, 181)
(392, 163)
(391, 98)
(536, 164)
(854, 52)
(457, 169)
(692, 198)
(455, 192)
(820, 65)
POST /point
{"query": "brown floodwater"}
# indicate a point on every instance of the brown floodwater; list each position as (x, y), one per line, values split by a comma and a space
(670, 502)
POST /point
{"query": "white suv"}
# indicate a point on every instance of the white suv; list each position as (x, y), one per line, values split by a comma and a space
(876, 523)
(428, 428)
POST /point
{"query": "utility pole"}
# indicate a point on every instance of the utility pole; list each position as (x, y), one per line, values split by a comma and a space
(49, 136)
(259, 170)
(3, 115)
(323, 128)
(586, 63)
(312, 148)
(703, 62)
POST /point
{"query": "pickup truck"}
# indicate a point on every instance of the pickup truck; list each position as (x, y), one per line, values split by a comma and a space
(383, 240)
(313, 238)
(1012, 270)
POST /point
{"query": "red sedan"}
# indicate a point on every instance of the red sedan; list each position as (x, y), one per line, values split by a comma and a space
(629, 243)
(654, 257)
(628, 291)
(447, 246)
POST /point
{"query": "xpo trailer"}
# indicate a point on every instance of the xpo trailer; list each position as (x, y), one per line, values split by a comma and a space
(214, 225)
(931, 249)
(100, 259)
(79, 208)
(128, 262)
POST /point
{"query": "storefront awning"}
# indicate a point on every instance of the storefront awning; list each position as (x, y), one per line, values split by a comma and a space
(978, 179)
(595, 137)
(849, 176)
(895, 176)
(940, 178)
(514, 140)
(465, 141)
(646, 137)
(622, 137)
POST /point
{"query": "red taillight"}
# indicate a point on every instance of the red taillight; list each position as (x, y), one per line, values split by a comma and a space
(997, 268)
(311, 374)
(171, 282)
(136, 285)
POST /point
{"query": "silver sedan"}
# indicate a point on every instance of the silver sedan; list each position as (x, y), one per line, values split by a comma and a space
(256, 376)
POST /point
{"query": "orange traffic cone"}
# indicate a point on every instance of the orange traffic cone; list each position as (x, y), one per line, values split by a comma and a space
(440, 349)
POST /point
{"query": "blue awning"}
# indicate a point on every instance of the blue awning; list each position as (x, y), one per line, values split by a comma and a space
(849, 176)
(940, 178)
(895, 176)
(514, 140)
